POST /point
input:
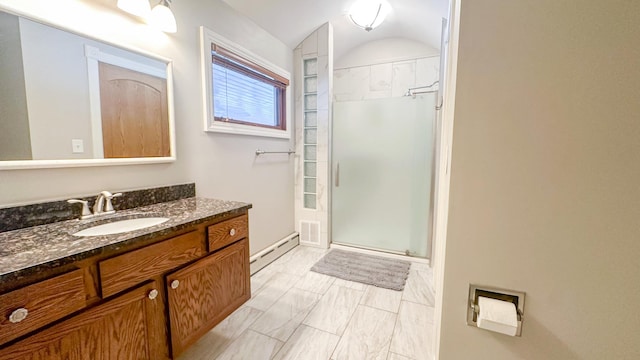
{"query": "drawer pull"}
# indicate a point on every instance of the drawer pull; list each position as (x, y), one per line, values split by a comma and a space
(18, 315)
(153, 294)
(175, 284)
(232, 232)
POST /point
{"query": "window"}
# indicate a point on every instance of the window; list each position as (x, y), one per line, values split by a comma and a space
(244, 94)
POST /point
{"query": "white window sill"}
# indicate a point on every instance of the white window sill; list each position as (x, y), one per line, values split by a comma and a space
(239, 129)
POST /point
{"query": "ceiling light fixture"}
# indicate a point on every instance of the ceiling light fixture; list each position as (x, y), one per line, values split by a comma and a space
(368, 14)
(135, 7)
(162, 17)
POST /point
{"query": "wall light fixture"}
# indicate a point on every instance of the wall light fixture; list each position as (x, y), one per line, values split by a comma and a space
(162, 17)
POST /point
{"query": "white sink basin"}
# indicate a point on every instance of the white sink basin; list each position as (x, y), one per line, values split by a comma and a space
(121, 226)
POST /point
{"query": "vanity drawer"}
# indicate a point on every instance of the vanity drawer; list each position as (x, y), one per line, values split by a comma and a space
(227, 232)
(34, 306)
(127, 270)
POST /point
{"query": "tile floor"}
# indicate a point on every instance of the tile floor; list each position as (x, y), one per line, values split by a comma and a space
(298, 314)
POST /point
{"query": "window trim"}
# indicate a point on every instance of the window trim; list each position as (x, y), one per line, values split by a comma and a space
(209, 40)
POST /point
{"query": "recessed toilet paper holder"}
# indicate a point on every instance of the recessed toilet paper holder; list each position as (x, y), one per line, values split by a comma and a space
(475, 291)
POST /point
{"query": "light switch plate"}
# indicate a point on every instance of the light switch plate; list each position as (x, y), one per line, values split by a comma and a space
(77, 146)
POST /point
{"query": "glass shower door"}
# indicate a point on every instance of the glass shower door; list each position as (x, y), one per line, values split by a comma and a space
(382, 167)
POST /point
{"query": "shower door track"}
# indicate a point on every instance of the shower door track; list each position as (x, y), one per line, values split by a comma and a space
(378, 250)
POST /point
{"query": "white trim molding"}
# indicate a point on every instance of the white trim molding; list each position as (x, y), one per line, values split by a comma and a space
(207, 37)
(444, 171)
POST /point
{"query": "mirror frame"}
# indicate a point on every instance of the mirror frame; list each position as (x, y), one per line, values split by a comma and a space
(69, 163)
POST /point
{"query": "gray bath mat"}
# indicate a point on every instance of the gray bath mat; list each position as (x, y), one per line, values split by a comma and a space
(367, 269)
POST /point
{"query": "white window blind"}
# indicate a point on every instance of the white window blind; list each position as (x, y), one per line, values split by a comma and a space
(246, 93)
(239, 97)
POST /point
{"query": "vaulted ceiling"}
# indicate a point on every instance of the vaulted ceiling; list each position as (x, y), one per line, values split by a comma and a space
(292, 21)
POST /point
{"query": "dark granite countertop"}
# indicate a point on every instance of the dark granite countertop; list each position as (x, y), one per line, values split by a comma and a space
(39, 248)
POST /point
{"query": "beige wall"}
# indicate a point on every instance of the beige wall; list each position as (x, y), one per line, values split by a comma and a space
(223, 166)
(15, 143)
(545, 178)
(54, 87)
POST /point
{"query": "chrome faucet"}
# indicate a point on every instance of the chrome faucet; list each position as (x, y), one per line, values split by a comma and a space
(102, 206)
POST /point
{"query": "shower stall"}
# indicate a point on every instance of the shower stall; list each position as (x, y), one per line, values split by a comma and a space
(383, 171)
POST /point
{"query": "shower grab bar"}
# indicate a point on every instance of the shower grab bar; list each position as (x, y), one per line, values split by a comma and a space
(423, 92)
(261, 152)
(411, 91)
(425, 86)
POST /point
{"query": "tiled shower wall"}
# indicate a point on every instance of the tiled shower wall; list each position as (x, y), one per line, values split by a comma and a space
(313, 84)
(384, 80)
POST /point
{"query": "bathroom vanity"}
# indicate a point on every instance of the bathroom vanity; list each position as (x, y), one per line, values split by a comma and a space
(142, 294)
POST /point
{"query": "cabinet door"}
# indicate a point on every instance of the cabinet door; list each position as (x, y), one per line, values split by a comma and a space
(126, 327)
(203, 294)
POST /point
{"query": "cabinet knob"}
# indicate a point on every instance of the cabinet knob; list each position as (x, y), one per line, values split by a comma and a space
(18, 315)
(175, 284)
(232, 232)
(153, 294)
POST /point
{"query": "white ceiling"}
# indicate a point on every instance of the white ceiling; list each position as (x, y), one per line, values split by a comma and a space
(292, 21)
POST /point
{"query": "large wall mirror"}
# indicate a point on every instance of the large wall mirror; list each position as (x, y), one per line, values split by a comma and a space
(72, 100)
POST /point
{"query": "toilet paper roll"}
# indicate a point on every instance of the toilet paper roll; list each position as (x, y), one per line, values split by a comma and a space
(497, 315)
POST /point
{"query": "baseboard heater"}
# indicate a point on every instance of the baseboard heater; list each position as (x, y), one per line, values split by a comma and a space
(268, 255)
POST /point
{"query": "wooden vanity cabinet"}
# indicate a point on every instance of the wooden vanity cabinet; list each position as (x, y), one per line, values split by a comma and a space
(125, 327)
(127, 270)
(34, 306)
(227, 232)
(150, 302)
(204, 293)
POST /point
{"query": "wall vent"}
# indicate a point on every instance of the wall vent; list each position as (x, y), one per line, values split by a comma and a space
(310, 232)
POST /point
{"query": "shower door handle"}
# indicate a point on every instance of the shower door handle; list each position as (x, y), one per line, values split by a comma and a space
(337, 181)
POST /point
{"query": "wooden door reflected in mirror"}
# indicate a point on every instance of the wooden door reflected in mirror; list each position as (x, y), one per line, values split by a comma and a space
(134, 113)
